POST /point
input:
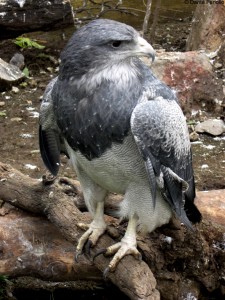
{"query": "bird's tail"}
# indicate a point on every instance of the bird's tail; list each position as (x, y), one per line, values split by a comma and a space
(178, 195)
(49, 148)
(190, 208)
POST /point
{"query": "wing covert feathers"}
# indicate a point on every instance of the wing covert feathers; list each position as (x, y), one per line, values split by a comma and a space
(160, 132)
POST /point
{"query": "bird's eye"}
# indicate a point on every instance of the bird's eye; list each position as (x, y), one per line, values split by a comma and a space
(116, 44)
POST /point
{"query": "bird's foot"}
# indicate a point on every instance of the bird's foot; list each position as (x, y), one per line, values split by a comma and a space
(90, 237)
(128, 245)
(121, 249)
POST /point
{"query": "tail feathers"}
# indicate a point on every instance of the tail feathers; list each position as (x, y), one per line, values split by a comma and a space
(174, 192)
(185, 220)
(49, 148)
(191, 209)
(192, 212)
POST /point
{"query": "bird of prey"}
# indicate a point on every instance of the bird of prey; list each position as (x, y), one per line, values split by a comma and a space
(123, 130)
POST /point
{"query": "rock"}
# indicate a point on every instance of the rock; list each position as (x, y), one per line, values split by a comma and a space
(32, 83)
(208, 27)
(2, 103)
(212, 55)
(190, 290)
(194, 136)
(9, 75)
(215, 208)
(30, 166)
(15, 89)
(205, 166)
(16, 119)
(189, 74)
(218, 65)
(17, 60)
(50, 69)
(221, 53)
(211, 126)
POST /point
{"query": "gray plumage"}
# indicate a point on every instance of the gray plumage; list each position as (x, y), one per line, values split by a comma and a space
(122, 128)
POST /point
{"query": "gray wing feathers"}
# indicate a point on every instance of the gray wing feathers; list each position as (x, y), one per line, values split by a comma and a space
(160, 132)
(47, 119)
(50, 140)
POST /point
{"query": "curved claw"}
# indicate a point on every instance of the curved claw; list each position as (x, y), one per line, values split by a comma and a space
(78, 253)
(87, 247)
(105, 273)
(99, 252)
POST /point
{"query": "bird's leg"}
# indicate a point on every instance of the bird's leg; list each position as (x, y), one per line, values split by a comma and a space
(94, 230)
(127, 245)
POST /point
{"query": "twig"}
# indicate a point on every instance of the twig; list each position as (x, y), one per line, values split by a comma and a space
(155, 20)
(147, 16)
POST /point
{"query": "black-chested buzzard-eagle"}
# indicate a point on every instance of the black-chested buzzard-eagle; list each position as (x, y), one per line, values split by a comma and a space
(123, 130)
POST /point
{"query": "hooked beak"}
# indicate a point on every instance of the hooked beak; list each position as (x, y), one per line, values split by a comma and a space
(144, 48)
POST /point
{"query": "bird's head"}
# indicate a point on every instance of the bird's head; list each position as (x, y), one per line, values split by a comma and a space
(100, 42)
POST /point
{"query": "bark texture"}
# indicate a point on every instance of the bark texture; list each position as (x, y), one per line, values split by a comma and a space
(181, 261)
(19, 16)
(208, 27)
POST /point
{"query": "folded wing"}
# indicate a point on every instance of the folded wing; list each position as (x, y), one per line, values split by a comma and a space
(50, 139)
(160, 132)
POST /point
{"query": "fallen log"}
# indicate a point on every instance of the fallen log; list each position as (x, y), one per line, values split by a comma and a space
(18, 17)
(36, 197)
(33, 246)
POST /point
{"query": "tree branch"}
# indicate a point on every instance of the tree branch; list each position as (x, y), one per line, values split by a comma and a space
(147, 17)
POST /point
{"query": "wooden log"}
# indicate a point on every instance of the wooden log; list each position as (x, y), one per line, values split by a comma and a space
(31, 246)
(21, 16)
(31, 195)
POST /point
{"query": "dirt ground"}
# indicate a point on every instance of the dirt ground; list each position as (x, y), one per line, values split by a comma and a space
(19, 122)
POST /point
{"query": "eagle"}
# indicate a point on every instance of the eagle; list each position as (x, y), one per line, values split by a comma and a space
(124, 132)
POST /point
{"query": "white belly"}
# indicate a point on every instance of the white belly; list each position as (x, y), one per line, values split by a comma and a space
(116, 168)
(121, 170)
